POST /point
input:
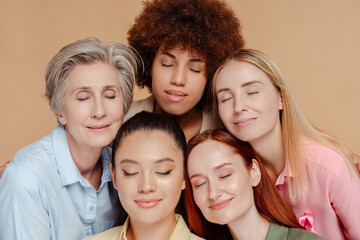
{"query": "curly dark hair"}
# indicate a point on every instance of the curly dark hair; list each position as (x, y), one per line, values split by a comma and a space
(208, 28)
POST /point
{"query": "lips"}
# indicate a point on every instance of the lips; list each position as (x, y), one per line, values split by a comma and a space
(244, 122)
(175, 93)
(220, 205)
(175, 96)
(148, 203)
(100, 127)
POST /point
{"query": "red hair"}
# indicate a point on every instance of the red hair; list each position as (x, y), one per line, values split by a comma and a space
(268, 202)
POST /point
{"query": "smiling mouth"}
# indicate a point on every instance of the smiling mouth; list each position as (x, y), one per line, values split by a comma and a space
(220, 205)
(99, 127)
(148, 203)
(244, 122)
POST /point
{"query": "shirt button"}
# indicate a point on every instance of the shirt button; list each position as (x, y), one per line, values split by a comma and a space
(92, 208)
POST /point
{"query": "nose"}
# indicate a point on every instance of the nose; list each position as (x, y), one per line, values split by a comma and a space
(179, 78)
(147, 183)
(99, 110)
(240, 105)
(215, 190)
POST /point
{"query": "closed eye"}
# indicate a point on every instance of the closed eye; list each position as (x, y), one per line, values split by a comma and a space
(252, 93)
(199, 185)
(166, 65)
(128, 173)
(165, 173)
(195, 70)
(225, 176)
(226, 99)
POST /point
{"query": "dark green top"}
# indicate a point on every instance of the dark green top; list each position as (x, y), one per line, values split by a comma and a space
(277, 232)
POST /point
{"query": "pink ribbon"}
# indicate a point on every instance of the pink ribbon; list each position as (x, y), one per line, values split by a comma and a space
(307, 221)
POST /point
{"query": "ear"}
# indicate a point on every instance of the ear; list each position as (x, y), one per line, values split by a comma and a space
(255, 173)
(113, 176)
(280, 102)
(183, 185)
(61, 118)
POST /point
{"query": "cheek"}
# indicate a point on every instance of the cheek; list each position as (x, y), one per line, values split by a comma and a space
(197, 86)
(199, 197)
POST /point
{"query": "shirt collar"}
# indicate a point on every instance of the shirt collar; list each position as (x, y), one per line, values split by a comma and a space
(124, 230)
(68, 171)
(286, 172)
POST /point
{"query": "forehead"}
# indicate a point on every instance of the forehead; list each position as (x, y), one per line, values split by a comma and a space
(95, 73)
(209, 154)
(180, 50)
(148, 147)
(240, 72)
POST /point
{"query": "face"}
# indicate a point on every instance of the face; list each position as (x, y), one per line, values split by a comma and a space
(149, 176)
(93, 105)
(221, 184)
(248, 103)
(178, 80)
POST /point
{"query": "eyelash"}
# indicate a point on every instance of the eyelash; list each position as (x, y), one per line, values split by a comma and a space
(199, 185)
(129, 174)
(252, 93)
(228, 175)
(224, 100)
(194, 70)
(165, 173)
(167, 65)
(170, 65)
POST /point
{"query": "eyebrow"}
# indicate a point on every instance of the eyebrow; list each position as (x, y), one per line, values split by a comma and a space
(126, 160)
(242, 85)
(174, 57)
(89, 88)
(222, 165)
(215, 168)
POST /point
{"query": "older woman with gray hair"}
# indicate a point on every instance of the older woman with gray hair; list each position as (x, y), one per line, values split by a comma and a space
(60, 186)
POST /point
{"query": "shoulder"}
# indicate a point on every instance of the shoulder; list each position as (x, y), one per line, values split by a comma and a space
(195, 237)
(31, 166)
(297, 233)
(322, 156)
(146, 104)
(111, 234)
(283, 232)
(182, 231)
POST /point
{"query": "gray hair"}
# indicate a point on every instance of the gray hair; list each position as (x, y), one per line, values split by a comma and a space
(122, 57)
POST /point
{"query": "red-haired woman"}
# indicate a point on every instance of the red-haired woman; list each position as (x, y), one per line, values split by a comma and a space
(227, 184)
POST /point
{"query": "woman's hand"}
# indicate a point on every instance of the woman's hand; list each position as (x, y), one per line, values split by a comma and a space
(2, 167)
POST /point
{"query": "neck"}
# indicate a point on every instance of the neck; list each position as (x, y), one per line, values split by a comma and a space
(87, 160)
(251, 226)
(158, 230)
(271, 150)
(189, 122)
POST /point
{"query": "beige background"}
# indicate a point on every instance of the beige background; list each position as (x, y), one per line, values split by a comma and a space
(315, 43)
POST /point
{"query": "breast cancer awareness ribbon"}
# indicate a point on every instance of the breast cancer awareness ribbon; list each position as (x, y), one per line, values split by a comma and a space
(307, 221)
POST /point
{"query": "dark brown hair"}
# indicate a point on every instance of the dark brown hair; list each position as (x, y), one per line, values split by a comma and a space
(205, 27)
(268, 202)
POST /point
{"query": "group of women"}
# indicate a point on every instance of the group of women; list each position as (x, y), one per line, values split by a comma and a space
(268, 175)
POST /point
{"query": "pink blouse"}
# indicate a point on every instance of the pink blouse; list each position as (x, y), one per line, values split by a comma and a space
(331, 208)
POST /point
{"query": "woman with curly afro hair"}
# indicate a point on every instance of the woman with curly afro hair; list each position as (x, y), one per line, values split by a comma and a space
(182, 43)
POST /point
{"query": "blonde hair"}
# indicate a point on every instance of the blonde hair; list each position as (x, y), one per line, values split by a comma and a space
(122, 57)
(294, 124)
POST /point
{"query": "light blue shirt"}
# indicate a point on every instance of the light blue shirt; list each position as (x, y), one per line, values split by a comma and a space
(44, 196)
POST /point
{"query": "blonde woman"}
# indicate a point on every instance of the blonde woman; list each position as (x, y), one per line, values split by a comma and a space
(313, 172)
